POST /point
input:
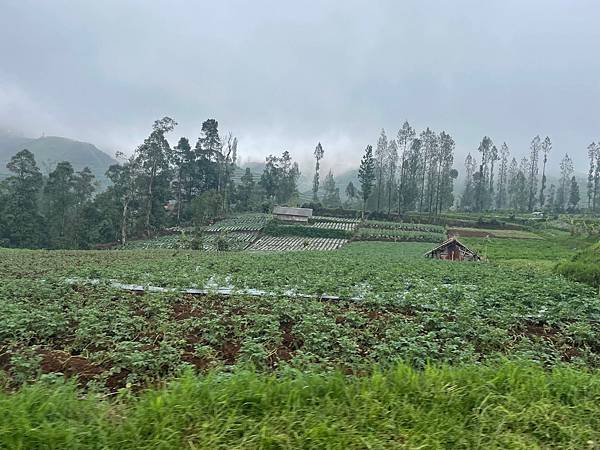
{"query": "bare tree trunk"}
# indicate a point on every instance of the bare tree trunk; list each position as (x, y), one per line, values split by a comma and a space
(124, 221)
(149, 203)
(178, 195)
(379, 186)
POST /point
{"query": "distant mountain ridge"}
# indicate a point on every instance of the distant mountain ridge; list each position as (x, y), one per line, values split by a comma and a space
(50, 150)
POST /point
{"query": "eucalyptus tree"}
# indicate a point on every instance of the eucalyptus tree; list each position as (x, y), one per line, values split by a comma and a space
(494, 156)
(319, 152)
(482, 199)
(428, 164)
(405, 138)
(21, 214)
(413, 164)
(593, 184)
(511, 183)
(366, 176)
(226, 167)
(574, 196)
(280, 177)
(566, 172)
(392, 166)
(501, 194)
(83, 189)
(550, 204)
(546, 147)
(209, 157)
(445, 176)
(468, 197)
(59, 199)
(246, 191)
(331, 196)
(533, 171)
(592, 148)
(183, 161)
(126, 189)
(380, 161)
(154, 157)
(351, 191)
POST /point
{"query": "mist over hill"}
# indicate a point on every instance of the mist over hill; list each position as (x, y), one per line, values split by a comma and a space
(49, 150)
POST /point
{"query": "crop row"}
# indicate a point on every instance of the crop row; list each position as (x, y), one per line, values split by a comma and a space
(287, 243)
(345, 226)
(243, 222)
(406, 226)
(334, 219)
(165, 242)
(383, 234)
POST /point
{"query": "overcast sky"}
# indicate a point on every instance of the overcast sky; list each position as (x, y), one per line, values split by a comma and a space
(284, 75)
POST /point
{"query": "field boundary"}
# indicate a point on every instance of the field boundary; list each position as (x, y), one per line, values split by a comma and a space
(251, 292)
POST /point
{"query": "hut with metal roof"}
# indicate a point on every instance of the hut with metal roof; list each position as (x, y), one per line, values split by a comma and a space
(453, 250)
(288, 214)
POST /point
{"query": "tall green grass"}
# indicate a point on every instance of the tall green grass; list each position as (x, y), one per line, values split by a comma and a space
(507, 405)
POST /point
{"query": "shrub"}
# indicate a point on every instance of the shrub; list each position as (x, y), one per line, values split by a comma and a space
(583, 267)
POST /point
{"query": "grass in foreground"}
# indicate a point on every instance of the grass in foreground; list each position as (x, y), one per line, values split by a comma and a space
(508, 405)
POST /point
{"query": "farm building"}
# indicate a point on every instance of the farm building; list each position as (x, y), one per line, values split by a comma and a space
(292, 214)
(453, 250)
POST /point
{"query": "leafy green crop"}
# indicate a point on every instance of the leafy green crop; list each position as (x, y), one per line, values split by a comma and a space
(405, 308)
(398, 235)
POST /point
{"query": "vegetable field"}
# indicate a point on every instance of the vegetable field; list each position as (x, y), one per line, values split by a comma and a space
(404, 308)
(430, 340)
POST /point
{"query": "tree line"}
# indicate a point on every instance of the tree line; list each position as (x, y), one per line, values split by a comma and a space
(157, 186)
(500, 182)
(412, 172)
(160, 185)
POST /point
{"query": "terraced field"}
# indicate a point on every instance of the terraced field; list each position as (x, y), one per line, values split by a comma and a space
(346, 226)
(243, 222)
(292, 243)
(479, 232)
(398, 235)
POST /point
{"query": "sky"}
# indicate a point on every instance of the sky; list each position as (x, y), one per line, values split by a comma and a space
(286, 75)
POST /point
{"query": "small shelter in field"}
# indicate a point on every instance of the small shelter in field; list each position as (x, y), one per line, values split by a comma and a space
(453, 250)
(288, 214)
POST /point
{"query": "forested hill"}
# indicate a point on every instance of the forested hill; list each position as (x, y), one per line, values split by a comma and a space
(50, 150)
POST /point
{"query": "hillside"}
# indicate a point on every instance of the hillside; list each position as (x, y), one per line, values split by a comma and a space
(49, 150)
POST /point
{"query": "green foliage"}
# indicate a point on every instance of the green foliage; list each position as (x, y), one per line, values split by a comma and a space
(234, 241)
(406, 226)
(366, 175)
(504, 405)
(398, 235)
(241, 222)
(405, 308)
(278, 229)
(207, 206)
(583, 267)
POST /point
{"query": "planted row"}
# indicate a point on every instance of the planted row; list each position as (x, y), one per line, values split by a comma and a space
(406, 226)
(278, 229)
(384, 234)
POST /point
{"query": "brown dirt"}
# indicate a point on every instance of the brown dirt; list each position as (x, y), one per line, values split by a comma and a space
(69, 365)
(229, 352)
(196, 361)
(183, 311)
(117, 380)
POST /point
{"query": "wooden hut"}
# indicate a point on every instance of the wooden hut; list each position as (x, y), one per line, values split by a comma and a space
(292, 214)
(453, 250)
